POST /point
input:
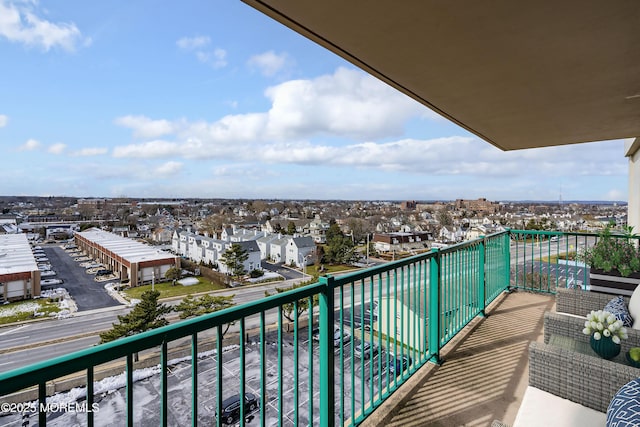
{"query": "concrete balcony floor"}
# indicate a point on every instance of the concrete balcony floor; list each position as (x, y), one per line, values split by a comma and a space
(484, 373)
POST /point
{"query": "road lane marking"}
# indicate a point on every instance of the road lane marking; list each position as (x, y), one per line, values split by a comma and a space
(13, 339)
(13, 330)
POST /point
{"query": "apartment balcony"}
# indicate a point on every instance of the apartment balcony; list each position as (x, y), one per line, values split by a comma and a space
(446, 344)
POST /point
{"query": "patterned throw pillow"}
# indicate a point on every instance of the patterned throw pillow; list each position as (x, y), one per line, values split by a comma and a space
(624, 408)
(619, 309)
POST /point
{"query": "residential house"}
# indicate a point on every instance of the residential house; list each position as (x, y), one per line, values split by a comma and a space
(400, 242)
(264, 243)
(278, 250)
(252, 262)
(162, 234)
(451, 234)
(300, 251)
(318, 230)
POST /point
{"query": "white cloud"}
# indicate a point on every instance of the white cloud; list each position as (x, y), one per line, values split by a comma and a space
(144, 127)
(191, 43)
(30, 145)
(19, 23)
(86, 152)
(169, 168)
(269, 63)
(3, 120)
(199, 45)
(306, 114)
(150, 149)
(217, 58)
(347, 103)
(57, 148)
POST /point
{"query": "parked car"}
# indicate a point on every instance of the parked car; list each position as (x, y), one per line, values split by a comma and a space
(397, 366)
(46, 282)
(44, 267)
(364, 350)
(230, 412)
(340, 339)
(316, 334)
(47, 273)
(103, 272)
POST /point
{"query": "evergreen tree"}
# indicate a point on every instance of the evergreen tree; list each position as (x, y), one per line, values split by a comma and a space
(147, 314)
(288, 310)
(340, 248)
(192, 307)
(291, 228)
(333, 231)
(234, 259)
(173, 273)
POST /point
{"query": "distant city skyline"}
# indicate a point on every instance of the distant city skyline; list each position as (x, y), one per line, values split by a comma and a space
(216, 100)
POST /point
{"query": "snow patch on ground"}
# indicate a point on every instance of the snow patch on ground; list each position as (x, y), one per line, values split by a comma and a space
(189, 281)
(65, 303)
(266, 276)
(113, 289)
(111, 384)
(22, 308)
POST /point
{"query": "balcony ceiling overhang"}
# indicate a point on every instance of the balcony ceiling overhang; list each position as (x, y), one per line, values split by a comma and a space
(516, 74)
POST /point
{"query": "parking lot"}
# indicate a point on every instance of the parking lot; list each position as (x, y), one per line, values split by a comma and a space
(87, 293)
(112, 404)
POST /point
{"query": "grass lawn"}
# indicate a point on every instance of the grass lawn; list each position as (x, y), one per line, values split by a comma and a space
(23, 310)
(328, 269)
(571, 256)
(167, 290)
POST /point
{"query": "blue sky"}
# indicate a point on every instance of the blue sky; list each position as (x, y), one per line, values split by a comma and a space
(213, 99)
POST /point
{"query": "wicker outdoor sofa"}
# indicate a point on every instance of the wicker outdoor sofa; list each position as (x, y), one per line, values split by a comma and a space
(585, 379)
(580, 303)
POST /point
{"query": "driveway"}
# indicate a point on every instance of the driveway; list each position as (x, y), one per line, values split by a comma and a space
(87, 293)
(287, 273)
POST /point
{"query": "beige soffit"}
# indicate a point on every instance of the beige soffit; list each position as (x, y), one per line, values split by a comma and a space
(518, 74)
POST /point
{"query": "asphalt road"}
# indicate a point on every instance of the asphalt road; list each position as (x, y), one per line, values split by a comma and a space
(87, 293)
(34, 333)
(287, 273)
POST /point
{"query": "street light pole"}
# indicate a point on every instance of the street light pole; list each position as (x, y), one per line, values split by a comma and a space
(367, 249)
(304, 263)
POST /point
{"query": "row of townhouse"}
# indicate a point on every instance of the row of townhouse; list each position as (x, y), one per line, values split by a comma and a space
(290, 250)
(209, 250)
(258, 245)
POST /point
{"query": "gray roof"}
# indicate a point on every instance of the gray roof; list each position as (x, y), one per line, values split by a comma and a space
(304, 242)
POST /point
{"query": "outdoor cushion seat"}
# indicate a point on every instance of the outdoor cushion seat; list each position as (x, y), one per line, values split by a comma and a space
(541, 408)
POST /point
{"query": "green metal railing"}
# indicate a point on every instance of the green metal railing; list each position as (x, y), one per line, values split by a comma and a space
(376, 328)
(542, 261)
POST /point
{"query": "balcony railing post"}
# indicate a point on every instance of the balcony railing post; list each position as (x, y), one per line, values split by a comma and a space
(483, 279)
(506, 249)
(434, 307)
(327, 367)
